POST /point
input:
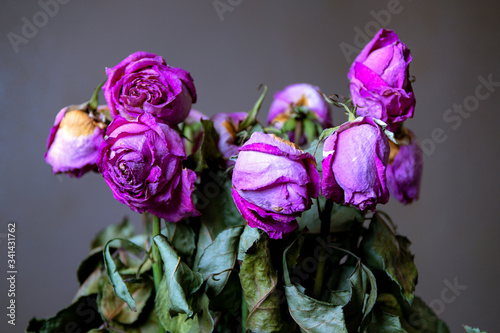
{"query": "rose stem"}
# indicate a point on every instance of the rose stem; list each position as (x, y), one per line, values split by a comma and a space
(189, 143)
(298, 133)
(157, 270)
(145, 223)
(325, 230)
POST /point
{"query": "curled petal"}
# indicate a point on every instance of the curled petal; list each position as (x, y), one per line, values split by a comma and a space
(354, 165)
(380, 84)
(141, 161)
(73, 142)
(273, 183)
(143, 82)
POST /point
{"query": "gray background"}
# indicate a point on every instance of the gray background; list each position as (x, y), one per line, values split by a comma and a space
(454, 227)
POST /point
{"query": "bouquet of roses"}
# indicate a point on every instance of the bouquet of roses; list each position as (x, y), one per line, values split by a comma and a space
(246, 227)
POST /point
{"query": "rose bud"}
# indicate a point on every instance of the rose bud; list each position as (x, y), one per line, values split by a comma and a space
(73, 142)
(380, 84)
(273, 183)
(299, 95)
(226, 125)
(141, 161)
(354, 164)
(193, 131)
(404, 171)
(143, 82)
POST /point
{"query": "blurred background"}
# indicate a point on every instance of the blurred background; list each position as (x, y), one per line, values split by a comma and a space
(54, 52)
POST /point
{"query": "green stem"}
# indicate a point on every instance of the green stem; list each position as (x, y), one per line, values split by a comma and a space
(352, 114)
(157, 270)
(189, 143)
(324, 231)
(298, 132)
(93, 102)
(145, 223)
(244, 312)
(157, 265)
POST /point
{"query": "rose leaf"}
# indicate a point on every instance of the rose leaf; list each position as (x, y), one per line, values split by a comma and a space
(81, 314)
(218, 260)
(119, 286)
(384, 250)
(181, 282)
(259, 280)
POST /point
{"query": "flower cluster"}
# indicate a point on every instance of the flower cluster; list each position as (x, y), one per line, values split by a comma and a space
(360, 167)
(381, 88)
(242, 184)
(139, 153)
(141, 156)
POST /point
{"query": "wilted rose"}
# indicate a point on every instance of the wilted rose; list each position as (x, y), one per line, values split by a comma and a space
(143, 82)
(273, 183)
(380, 84)
(74, 140)
(141, 161)
(404, 171)
(226, 125)
(300, 95)
(354, 164)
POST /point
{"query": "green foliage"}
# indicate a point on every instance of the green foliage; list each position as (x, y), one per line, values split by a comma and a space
(327, 317)
(229, 299)
(352, 293)
(208, 154)
(383, 322)
(95, 258)
(363, 287)
(289, 125)
(191, 133)
(217, 208)
(343, 218)
(309, 129)
(469, 329)
(200, 322)
(248, 238)
(90, 285)
(114, 309)
(117, 282)
(386, 251)
(82, 314)
(309, 220)
(301, 118)
(218, 260)
(258, 280)
(316, 150)
(94, 100)
(423, 319)
(251, 118)
(218, 272)
(327, 132)
(182, 237)
(89, 264)
(178, 279)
